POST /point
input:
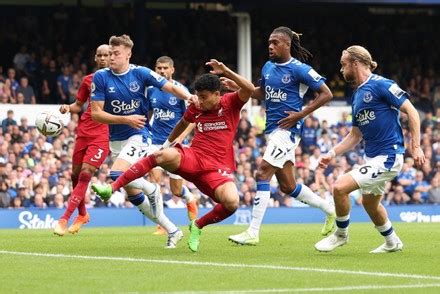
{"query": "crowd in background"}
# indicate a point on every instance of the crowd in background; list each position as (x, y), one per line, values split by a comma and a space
(48, 68)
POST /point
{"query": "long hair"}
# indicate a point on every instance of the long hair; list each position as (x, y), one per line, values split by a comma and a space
(299, 52)
(362, 55)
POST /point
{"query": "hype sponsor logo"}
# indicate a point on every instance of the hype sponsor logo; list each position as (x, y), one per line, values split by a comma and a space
(365, 116)
(28, 220)
(163, 114)
(125, 108)
(275, 95)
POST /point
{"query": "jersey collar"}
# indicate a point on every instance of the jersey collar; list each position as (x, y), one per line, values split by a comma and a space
(285, 63)
(122, 73)
(369, 77)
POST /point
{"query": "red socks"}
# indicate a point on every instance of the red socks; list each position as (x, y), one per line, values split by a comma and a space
(216, 215)
(77, 195)
(137, 170)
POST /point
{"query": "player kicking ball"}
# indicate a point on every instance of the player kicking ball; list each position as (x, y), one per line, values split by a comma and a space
(209, 161)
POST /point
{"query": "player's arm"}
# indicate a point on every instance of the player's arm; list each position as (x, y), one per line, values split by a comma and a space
(100, 115)
(245, 87)
(232, 86)
(185, 133)
(180, 93)
(178, 130)
(348, 143)
(414, 129)
(75, 107)
(324, 95)
(81, 97)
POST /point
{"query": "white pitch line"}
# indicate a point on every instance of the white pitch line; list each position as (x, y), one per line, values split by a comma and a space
(227, 265)
(330, 289)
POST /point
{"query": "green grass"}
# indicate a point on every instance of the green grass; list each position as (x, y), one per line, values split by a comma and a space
(290, 246)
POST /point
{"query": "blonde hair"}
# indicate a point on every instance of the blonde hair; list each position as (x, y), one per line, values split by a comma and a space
(123, 40)
(362, 55)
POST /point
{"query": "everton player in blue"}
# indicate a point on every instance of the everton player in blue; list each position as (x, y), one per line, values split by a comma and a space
(166, 111)
(284, 81)
(376, 103)
(118, 99)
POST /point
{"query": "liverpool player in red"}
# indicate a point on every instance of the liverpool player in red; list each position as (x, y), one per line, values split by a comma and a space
(209, 162)
(91, 149)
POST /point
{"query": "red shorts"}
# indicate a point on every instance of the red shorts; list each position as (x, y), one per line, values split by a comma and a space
(90, 151)
(191, 169)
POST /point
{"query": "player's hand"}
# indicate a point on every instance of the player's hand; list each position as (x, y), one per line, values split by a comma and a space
(136, 121)
(419, 156)
(193, 99)
(229, 84)
(218, 68)
(292, 118)
(324, 160)
(64, 108)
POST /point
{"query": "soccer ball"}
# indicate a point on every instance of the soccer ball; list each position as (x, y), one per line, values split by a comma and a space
(49, 124)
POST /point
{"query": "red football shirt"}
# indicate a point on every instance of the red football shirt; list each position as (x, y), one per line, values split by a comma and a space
(86, 126)
(215, 131)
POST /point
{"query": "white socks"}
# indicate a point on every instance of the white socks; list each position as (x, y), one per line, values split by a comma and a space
(306, 195)
(258, 210)
(342, 223)
(142, 184)
(186, 194)
(387, 231)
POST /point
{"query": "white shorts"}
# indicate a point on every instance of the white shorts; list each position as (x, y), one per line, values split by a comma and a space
(373, 175)
(155, 147)
(130, 150)
(281, 145)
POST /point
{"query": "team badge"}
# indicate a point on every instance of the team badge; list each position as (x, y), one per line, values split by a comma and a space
(368, 97)
(172, 100)
(134, 86)
(286, 78)
(200, 127)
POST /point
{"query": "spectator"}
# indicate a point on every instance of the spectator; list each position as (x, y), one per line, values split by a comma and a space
(419, 189)
(434, 191)
(63, 82)
(26, 90)
(5, 197)
(8, 121)
(13, 82)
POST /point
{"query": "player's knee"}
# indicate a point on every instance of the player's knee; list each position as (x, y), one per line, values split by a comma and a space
(286, 188)
(177, 191)
(88, 169)
(262, 175)
(339, 189)
(231, 204)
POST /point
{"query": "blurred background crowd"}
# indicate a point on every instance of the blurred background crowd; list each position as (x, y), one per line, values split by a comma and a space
(47, 68)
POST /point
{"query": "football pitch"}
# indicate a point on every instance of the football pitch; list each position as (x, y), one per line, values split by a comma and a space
(131, 259)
